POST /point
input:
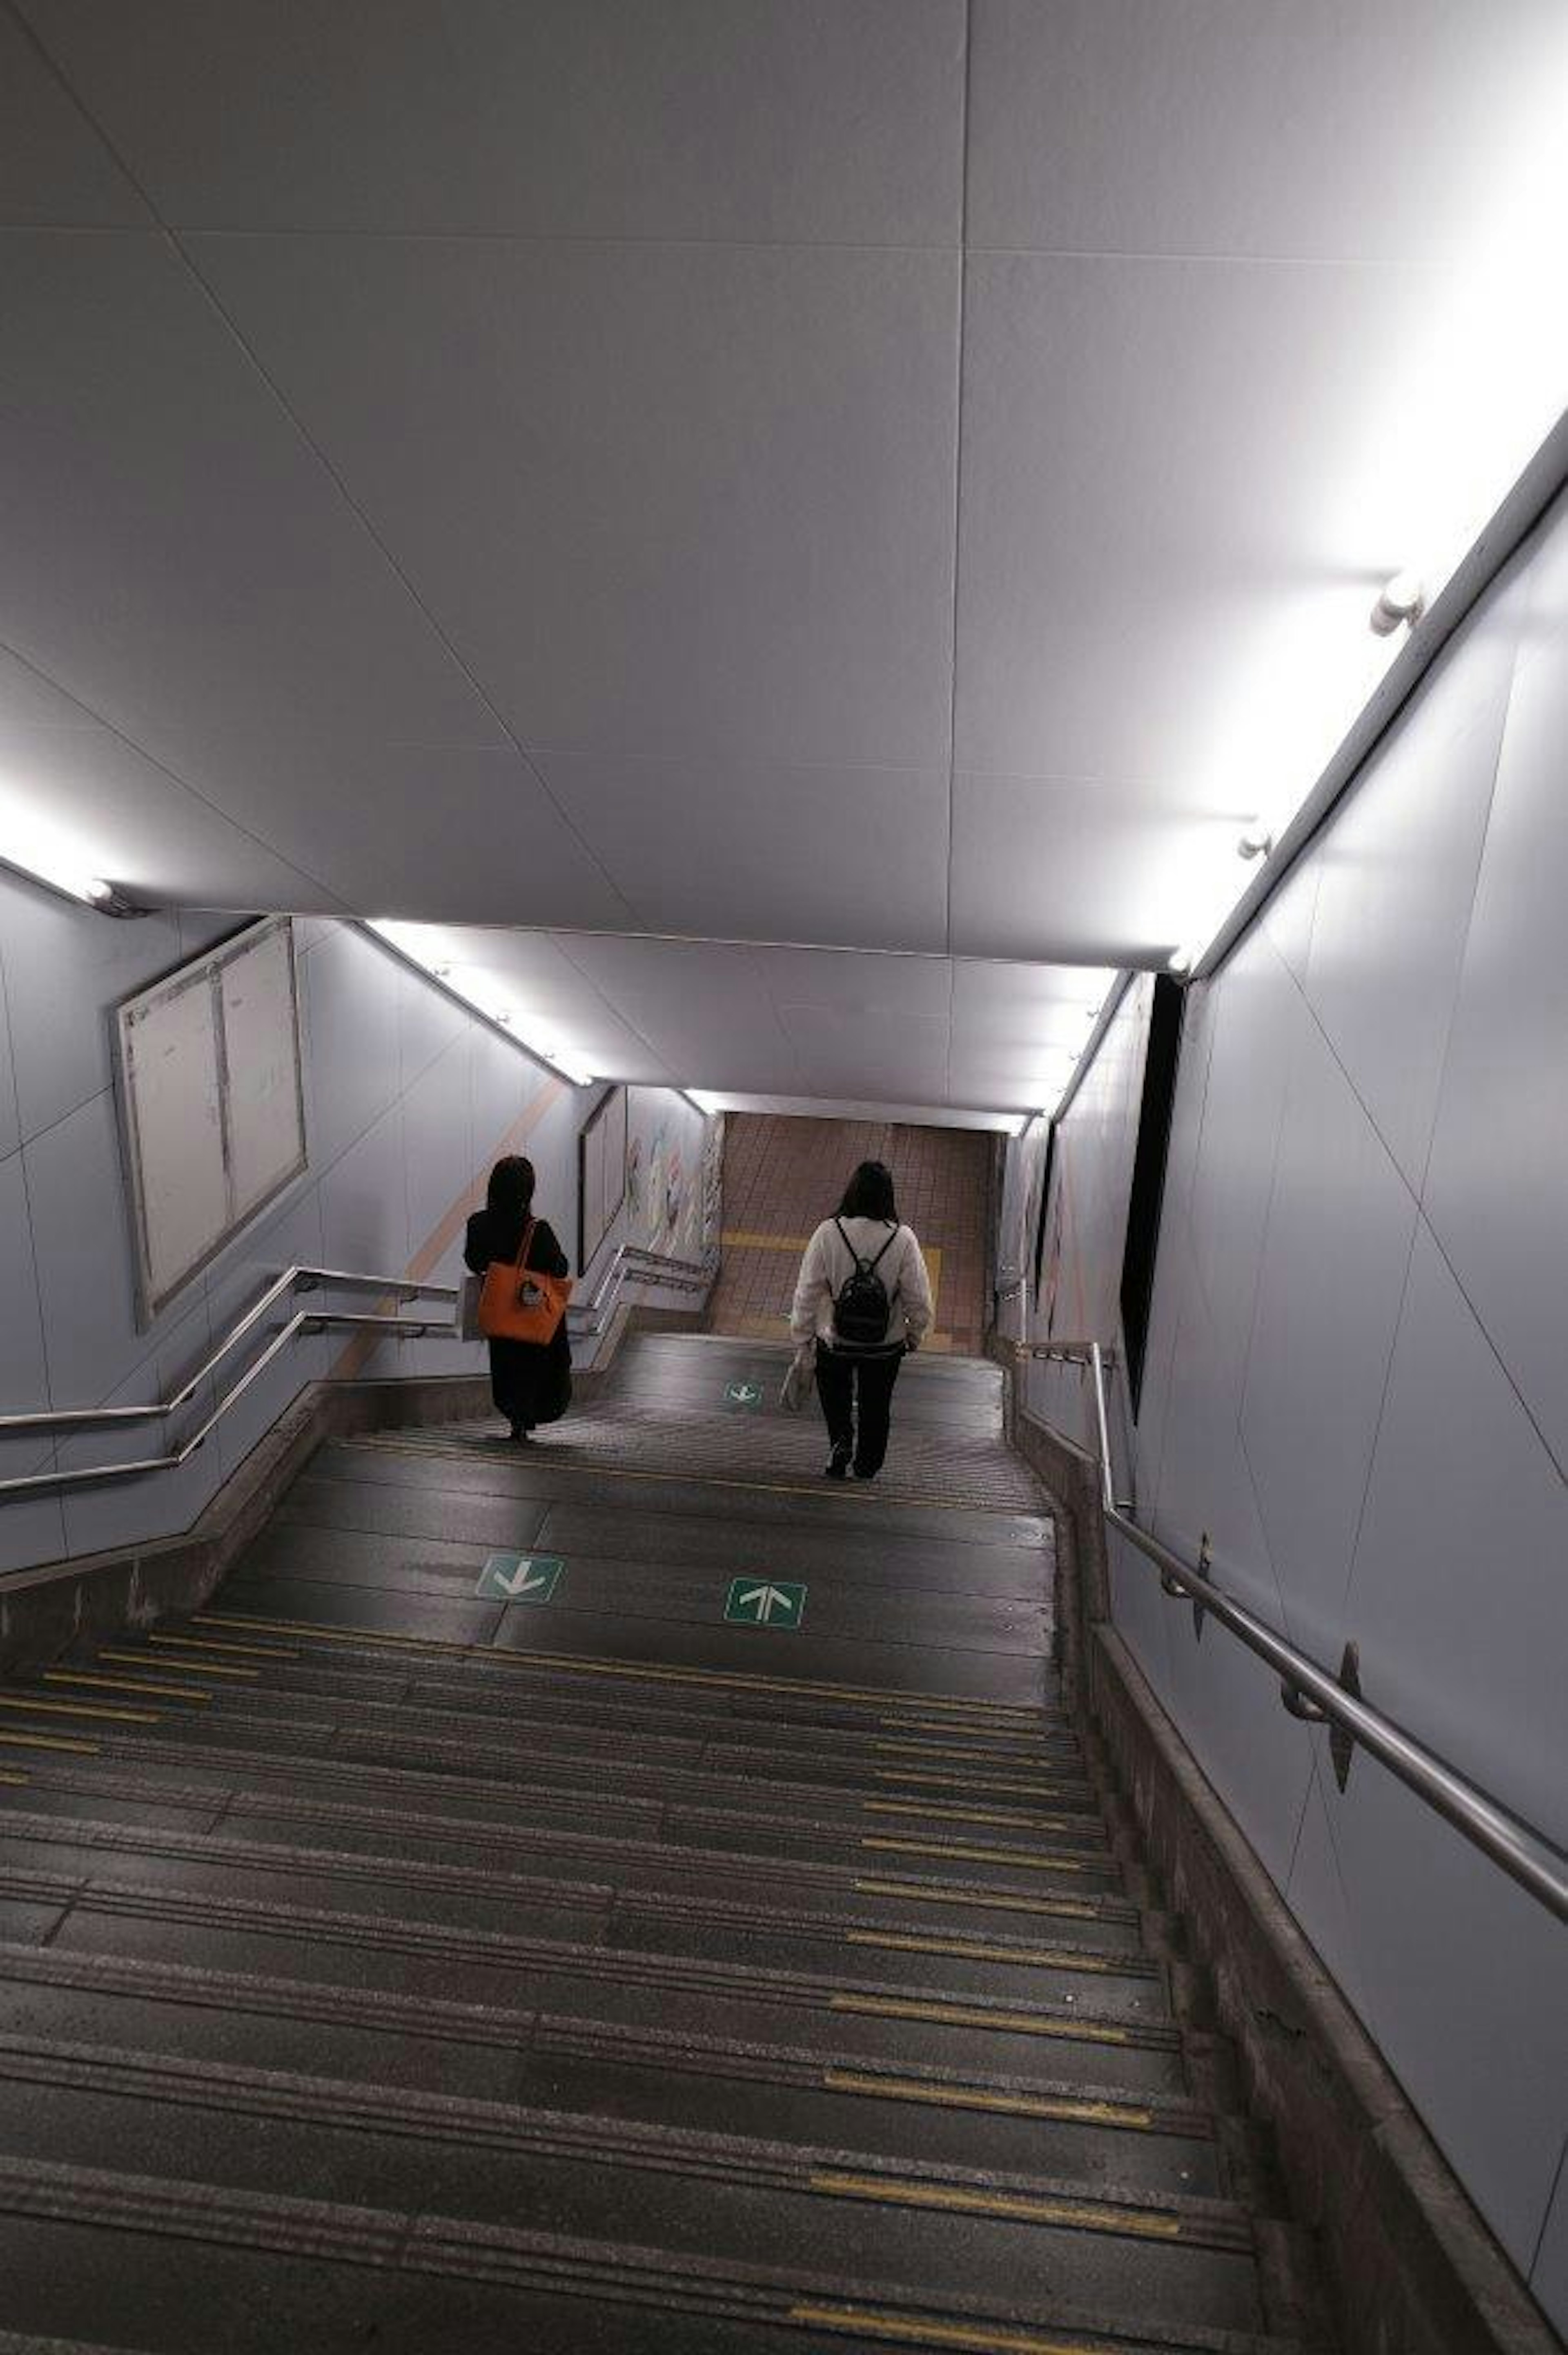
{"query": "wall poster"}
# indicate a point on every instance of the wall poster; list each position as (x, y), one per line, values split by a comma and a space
(211, 1098)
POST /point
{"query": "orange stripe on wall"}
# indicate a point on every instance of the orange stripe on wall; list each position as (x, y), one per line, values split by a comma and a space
(444, 1233)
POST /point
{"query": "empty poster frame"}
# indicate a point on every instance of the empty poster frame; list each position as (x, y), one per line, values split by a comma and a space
(237, 1100)
(601, 1174)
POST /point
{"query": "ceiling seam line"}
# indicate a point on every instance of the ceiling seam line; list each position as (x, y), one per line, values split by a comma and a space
(354, 508)
(286, 407)
(610, 1008)
(159, 228)
(100, 721)
(958, 475)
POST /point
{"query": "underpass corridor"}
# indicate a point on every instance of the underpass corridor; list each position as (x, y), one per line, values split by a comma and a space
(625, 1893)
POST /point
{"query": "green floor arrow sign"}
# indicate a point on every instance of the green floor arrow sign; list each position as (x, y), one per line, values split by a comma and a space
(746, 1395)
(520, 1577)
(761, 1602)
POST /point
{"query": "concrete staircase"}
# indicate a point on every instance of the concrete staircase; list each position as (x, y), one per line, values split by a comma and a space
(388, 1964)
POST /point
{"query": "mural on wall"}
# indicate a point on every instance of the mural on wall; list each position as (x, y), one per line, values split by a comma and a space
(636, 1184)
(665, 1172)
(713, 1182)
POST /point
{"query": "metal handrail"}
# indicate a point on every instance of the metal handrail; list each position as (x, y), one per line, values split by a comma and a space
(1308, 1691)
(631, 1263)
(294, 1279)
(138, 1467)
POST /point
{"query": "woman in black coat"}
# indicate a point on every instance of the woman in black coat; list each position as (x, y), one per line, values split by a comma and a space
(531, 1380)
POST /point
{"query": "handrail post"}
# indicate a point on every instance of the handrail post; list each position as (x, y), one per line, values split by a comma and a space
(1107, 1484)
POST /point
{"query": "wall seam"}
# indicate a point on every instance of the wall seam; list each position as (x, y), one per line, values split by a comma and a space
(961, 325)
(1556, 2186)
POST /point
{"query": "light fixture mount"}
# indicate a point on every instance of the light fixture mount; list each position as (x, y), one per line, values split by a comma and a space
(1401, 602)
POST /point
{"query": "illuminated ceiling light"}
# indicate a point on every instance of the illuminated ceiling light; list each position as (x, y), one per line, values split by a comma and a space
(1402, 601)
(411, 942)
(1256, 841)
(705, 1101)
(44, 860)
(1183, 960)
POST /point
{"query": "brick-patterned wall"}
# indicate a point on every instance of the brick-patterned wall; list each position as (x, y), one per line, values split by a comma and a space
(782, 1176)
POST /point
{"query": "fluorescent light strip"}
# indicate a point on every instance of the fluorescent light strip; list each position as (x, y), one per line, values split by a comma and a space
(40, 864)
(441, 975)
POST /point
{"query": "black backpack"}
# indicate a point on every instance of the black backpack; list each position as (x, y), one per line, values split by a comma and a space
(863, 1310)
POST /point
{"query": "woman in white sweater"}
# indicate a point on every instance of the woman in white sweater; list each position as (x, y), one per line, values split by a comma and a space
(863, 1300)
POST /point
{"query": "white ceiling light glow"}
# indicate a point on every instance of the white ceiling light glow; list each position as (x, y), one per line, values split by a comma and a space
(1482, 381)
(426, 946)
(43, 854)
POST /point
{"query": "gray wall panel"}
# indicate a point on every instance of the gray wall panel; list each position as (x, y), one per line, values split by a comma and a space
(409, 1099)
(1357, 1379)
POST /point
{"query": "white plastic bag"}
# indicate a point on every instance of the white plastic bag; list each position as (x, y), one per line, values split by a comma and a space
(466, 1318)
(799, 1380)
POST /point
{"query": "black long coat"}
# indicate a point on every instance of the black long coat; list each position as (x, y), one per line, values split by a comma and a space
(531, 1381)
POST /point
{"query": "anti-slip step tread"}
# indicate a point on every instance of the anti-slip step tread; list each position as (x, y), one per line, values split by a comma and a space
(133, 1998)
(294, 1630)
(404, 1738)
(487, 2271)
(378, 1815)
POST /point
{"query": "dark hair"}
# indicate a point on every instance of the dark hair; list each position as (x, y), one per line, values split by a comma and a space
(511, 1187)
(869, 1194)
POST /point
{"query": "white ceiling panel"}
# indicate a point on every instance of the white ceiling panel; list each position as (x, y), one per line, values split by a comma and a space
(550, 999)
(1278, 129)
(799, 1023)
(842, 981)
(55, 170)
(104, 808)
(439, 832)
(671, 500)
(837, 120)
(172, 553)
(524, 489)
(830, 854)
(701, 1005)
(1061, 868)
(1157, 459)
(892, 1054)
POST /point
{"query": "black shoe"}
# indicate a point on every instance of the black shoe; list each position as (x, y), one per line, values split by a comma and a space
(839, 1463)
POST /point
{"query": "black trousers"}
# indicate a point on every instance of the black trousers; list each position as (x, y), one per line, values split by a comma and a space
(857, 1402)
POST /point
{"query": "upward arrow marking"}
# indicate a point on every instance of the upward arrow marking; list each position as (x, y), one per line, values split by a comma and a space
(765, 1597)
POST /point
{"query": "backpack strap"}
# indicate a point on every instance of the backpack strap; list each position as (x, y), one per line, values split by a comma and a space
(866, 1266)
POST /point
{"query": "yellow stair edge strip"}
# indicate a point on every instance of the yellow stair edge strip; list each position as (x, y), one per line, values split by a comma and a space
(907, 2331)
(1010, 2207)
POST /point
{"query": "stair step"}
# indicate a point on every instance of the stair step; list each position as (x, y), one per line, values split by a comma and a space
(375, 1852)
(129, 2000)
(732, 2217)
(886, 1766)
(870, 2009)
(974, 1712)
(486, 1685)
(402, 1738)
(784, 2091)
(719, 1922)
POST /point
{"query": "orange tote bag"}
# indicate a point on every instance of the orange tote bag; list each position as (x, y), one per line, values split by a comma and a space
(517, 1305)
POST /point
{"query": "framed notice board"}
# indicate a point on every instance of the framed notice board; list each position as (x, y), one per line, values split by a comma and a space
(601, 1174)
(212, 1103)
